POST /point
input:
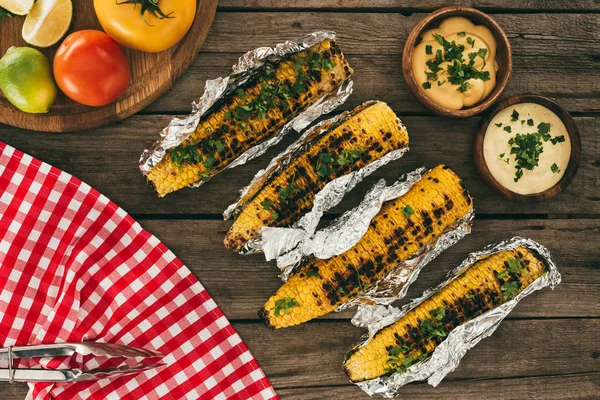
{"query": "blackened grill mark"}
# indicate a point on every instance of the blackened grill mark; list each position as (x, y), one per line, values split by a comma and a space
(427, 222)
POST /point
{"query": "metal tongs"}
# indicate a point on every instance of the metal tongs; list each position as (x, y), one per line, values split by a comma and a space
(12, 374)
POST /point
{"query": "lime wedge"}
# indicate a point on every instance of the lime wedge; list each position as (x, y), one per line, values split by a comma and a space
(17, 7)
(47, 22)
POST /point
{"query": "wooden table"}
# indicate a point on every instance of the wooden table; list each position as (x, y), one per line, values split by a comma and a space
(547, 349)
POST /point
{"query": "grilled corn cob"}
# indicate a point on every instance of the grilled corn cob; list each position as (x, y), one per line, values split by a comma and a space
(367, 133)
(485, 285)
(402, 227)
(252, 114)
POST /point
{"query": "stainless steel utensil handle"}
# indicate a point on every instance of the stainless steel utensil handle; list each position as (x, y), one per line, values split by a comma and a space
(43, 350)
(39, 375)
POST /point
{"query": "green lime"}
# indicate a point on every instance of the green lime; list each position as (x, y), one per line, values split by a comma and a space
(26, 79)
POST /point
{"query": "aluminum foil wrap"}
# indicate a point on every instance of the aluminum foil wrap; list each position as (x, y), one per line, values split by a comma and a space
(246, 68)
(446, 357)
(348, 229)
(268, 239)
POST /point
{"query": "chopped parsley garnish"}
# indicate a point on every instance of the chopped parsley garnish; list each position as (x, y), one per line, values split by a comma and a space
(283, 306)
(323, 164)
(267, 204)
(313, 271)
(543, 128)
(527, 147)
(499, 124)
(438, 313)
(289, 190)
(216, 144)
(462, 34)
(350, 156)
(514, 116)
(554, 168)
(400, 364)
(186, 154)
(510, 289)
(431, 329)
(458, 71)
(209, 162)
(394, 351)
(407, 211)
(4, 13)
(514, 267)
(502, 155)
(471, 41)
(326, 161)
(508, 129)
(428, 49)
(431, 76)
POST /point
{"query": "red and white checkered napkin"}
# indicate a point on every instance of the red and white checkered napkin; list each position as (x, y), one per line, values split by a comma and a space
(74, 266)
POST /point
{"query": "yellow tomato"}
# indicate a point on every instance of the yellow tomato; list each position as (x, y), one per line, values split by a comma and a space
(125, 23)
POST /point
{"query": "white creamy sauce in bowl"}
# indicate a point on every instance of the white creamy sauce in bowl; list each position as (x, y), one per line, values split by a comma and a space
(509, 161)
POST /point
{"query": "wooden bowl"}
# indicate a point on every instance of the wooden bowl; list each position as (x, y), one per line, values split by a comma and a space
(572, 131)
(503, 56)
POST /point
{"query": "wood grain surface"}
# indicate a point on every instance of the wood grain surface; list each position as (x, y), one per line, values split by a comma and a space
(107, 159)
(152, 74)
(410, 6)
(545, 350)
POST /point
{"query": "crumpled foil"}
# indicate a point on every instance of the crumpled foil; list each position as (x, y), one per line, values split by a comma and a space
(448, 354)
(349, 228)
(247, 67)
(267, 240)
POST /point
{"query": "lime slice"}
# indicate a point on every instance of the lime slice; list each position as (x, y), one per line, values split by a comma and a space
(17, 7)
(47, 22)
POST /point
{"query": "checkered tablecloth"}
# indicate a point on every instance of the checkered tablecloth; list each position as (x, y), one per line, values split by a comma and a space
(74, 266)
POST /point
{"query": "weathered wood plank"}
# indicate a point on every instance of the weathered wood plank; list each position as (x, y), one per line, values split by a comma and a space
(511, 5)
(541, 60)
(241, 284)
(293, 357)
(106, 158)
(531, 35)
(564, 387)
(379, 76)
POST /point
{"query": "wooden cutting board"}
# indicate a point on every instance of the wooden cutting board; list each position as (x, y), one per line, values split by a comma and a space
(152, 74)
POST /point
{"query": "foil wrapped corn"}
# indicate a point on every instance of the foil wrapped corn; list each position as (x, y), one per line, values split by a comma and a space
(400, 230)
(488, 283)
(364, 135)
(252, 114)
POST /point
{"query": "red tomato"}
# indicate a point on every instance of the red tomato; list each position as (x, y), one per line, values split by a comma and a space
(91, 68)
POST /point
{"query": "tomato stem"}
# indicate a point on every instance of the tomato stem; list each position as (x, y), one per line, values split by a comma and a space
(150, 6)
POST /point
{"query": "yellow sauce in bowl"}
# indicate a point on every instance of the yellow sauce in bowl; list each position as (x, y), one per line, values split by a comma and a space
(455, 63)
(511, 146)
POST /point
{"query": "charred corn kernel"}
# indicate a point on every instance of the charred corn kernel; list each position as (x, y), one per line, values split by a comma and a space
(402, 227)
(367, 133)
(487, 284)
(252, 114)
